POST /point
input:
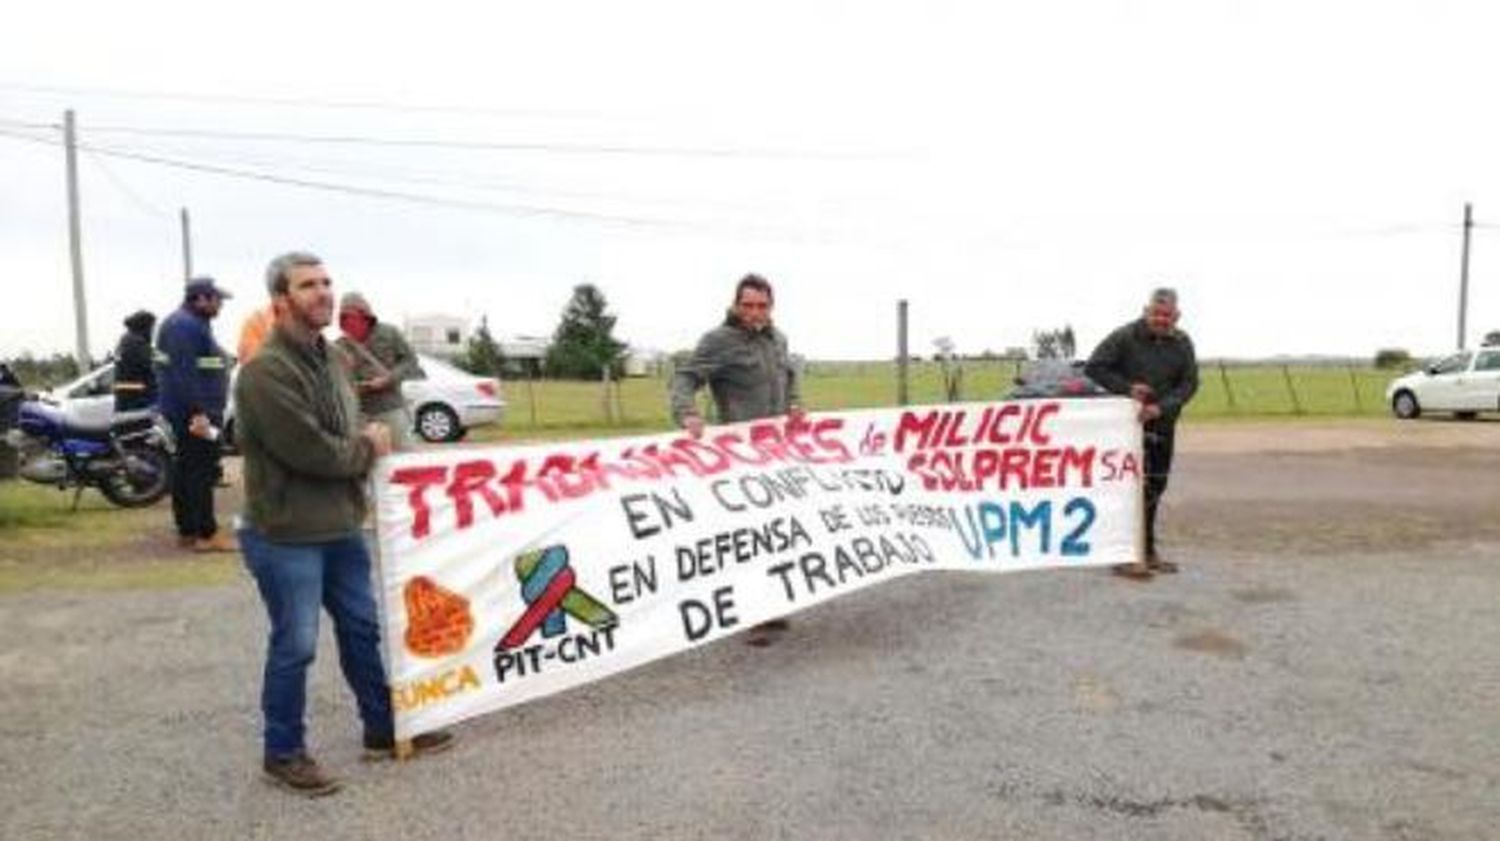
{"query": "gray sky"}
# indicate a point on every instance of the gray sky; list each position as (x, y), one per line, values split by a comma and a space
(1296, 170)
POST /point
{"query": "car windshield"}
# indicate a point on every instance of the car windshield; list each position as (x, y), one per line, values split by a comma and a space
(1453, 364)
(436, 369)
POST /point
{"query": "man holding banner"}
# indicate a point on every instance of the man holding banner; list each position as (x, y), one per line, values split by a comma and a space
(305, 466)
(1153, 362)
(746, 366)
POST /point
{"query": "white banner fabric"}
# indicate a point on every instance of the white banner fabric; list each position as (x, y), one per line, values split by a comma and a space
(507, 573)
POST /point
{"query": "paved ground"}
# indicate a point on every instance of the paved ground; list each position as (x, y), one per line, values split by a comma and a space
(1325, 667)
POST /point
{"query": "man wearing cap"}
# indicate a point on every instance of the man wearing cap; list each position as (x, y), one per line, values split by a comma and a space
(194, 387)
(1153, 362)
(379, 360)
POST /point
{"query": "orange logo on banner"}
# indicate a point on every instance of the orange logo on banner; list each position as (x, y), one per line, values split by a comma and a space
(438, 620)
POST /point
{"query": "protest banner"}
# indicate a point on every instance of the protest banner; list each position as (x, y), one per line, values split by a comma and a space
(510, 573)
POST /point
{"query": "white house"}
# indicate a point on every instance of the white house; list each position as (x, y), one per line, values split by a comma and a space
(438, 335)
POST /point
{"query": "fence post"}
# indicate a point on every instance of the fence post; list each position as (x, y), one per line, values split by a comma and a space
(1228, 389)
(531, 395)
(1359, 407)
(604, 395)
(1286, 372)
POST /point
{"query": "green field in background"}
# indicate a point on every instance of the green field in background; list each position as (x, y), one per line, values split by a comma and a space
(553, 409)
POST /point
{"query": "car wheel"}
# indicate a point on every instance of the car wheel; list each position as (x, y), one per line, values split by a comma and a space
(437, 423)
(1404, 404)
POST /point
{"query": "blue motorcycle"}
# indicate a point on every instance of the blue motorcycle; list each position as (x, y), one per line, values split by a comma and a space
(129, 459)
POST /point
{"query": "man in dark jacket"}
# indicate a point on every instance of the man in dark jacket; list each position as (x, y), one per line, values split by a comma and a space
(745, 364)
(1153, 362)
(135, 368)
(306, 459)
(194, 388)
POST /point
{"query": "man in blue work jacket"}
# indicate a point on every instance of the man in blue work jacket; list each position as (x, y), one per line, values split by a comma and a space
(194, 388)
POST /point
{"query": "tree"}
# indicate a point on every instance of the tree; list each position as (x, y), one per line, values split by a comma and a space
(1392, 358)
(949, 367)
(1055, 344)
(583, 345)
(483, 355)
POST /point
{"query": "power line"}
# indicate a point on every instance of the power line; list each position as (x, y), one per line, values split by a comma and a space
(415, 198)
(458, 178)
(295, 102)
(98, 161)
(484, 145)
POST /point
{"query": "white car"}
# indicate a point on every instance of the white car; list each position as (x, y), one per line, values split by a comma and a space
(1465, 384)
(445, 405)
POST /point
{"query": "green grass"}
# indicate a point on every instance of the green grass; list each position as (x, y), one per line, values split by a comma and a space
(550, 410)
(45, 544)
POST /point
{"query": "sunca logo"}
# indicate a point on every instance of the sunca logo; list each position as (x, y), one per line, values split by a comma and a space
(419, 693)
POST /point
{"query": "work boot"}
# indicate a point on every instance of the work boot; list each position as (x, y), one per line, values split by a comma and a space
(186, 541)
(766, 633)
(384, 747)
(1160, 565)
(220, 541)
(1135, 570)
(300, 773)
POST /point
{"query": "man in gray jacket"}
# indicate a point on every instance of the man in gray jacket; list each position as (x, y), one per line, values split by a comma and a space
(745, 364)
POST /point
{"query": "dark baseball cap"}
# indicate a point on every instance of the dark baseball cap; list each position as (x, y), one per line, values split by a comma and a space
(205, 285)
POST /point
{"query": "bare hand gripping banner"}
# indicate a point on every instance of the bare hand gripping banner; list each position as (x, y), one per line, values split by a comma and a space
(510, 573)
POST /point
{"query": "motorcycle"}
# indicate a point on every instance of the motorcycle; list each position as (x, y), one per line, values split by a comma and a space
(129, 459)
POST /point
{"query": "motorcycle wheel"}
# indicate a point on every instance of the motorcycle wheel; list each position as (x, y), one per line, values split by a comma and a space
(145, 478)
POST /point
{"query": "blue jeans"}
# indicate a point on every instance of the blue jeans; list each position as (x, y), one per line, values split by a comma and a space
(294, 580)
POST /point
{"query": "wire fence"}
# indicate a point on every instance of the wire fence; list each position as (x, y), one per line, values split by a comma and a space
(1226, 389)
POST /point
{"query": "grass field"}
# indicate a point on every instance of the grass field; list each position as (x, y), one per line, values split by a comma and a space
(553, 409)
(44, 544)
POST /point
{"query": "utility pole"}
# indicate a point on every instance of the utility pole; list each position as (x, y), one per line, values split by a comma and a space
(187, 246)
(903, 359)
(1463, 278)
(75, 242)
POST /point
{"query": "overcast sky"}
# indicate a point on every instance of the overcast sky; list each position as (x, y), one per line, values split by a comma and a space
(1297, 170)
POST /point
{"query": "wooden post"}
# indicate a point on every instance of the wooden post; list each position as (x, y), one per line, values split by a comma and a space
(1354, 383)
(531, 395)
(903, 359)
(1286, 372)
(1228, 388)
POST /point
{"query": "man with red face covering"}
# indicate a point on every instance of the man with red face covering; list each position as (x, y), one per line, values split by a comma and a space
(1153, 362)
(379, 360)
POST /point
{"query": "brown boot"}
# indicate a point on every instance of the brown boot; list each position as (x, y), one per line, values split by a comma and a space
(766, 633)
(423, 744)
(1160, 565)
(186, 541)
(300, 773)
(219, 542)
(1135, 571)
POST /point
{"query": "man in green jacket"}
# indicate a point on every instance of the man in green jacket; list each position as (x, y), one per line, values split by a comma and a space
(1153, 362)
(745, 364)
(380, 360)
(305, 463)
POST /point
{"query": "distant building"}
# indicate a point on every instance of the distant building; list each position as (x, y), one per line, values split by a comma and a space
(438, 335)
(643, 362)
(524, 355)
